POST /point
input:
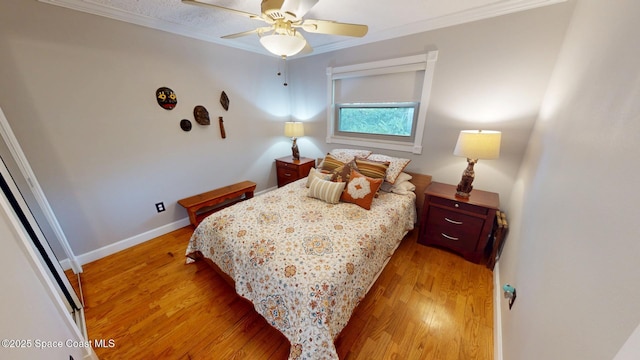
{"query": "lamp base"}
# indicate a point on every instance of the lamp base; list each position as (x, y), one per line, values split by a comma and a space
(468, 175)
(295, 153)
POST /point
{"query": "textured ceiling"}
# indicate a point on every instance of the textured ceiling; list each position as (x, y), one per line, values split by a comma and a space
(386, 19)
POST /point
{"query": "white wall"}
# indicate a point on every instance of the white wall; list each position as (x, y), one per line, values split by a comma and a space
(79, 93)
(490, 74)
(29, 309)
(572, 251)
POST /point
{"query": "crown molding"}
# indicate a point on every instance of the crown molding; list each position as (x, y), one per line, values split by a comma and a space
(496, 8)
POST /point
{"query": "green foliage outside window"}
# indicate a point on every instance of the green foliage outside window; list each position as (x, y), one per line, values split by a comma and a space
(395, 121)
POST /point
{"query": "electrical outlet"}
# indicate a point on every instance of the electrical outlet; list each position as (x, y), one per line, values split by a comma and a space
(160, 207)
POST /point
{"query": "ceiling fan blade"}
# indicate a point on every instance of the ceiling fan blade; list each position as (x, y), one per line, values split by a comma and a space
(307, 49)
(248, 32)
(240, 34)
(212, 6)
(333, 28)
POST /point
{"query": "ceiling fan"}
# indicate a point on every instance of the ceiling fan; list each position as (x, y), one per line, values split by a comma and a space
(284, 18)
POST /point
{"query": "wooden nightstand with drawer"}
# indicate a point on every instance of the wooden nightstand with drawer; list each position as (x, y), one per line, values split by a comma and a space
(289, 170)
(462, 225)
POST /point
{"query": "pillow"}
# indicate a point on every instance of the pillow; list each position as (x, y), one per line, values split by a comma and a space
(400, 181)
(403, 188)
(313, 173)
(361, 190)
(346, 155)
(396, 165)
(371, 168)
(403, 177)
(330, 163)
(327, 191)
(343, 173)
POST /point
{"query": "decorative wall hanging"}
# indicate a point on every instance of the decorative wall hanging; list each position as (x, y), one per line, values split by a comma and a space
(166, 98)
(224, 101)
(222, 132)
(185, 125)
(201, 115)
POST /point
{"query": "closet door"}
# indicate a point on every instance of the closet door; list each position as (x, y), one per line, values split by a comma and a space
(39, 242)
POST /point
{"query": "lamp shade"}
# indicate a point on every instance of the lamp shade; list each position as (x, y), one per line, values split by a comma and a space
(478, 144)
(293, 129)
(283, 44)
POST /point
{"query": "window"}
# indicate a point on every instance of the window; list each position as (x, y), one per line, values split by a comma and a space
(390, 121)
(380, 104)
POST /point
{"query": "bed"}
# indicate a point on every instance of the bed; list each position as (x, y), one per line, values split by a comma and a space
(305, 264)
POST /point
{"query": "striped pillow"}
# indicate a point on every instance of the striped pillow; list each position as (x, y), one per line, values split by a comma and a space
(327, 191)
(330, 163)
(313, 173)
(372, 169)
(396, 165)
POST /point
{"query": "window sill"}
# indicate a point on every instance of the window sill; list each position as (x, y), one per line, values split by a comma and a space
(378, 144)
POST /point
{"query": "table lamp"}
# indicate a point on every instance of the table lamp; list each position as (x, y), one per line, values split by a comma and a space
(474, 145)
(294, 130)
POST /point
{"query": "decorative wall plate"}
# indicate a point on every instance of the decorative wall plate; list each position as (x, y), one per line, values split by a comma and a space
(166, 98)
(201, 115)
(185, 125)
(224, 101)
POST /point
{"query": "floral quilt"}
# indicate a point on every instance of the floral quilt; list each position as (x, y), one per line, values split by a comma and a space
(303, 263)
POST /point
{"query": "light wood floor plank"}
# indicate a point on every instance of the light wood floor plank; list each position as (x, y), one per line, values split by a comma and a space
(427, 304)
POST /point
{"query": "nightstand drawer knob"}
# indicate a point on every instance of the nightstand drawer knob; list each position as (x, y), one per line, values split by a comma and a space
(449, 237)
(457, 205)
(453, 221)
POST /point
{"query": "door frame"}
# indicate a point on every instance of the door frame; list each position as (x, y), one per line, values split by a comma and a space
(18, 155)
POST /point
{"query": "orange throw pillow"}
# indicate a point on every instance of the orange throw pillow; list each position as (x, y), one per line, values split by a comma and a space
(361, 190)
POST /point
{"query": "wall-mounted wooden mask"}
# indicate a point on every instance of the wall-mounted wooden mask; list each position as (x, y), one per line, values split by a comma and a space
(166, 98)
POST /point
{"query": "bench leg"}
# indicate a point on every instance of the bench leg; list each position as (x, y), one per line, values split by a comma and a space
(192, 218)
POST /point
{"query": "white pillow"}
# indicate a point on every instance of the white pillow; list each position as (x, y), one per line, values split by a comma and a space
(402, 185)
(403, 188)
(327, 191)
(403, 177)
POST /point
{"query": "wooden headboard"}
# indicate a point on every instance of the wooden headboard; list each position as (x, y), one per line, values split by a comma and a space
(421, 182)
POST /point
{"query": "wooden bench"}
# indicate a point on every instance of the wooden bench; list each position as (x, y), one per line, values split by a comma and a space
(214, 200)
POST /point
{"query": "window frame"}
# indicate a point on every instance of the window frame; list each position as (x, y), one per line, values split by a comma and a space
(424, 62)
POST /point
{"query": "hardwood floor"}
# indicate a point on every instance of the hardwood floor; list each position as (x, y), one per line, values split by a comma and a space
(427, 304)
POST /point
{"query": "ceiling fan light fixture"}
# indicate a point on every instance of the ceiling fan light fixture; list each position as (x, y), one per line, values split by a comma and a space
(283, 44)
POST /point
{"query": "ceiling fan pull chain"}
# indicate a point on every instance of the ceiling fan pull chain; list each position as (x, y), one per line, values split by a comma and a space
(284, 71)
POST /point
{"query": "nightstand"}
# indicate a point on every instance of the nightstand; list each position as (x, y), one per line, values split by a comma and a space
(290, 170)
(462, 225)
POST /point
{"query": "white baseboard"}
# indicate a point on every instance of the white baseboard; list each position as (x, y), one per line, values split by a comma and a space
(132, 241)
(497, 314)
(265, 190)
(66, 264)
